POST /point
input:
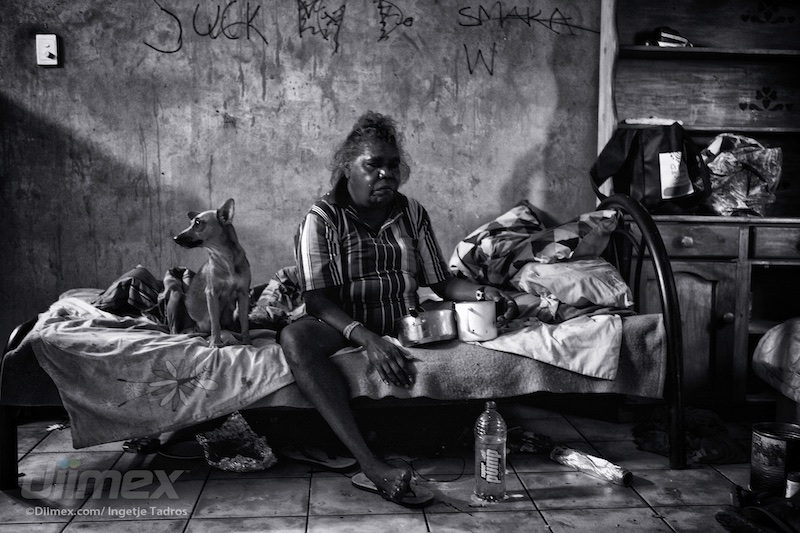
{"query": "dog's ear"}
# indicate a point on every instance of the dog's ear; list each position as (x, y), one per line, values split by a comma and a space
(225, 213)
(192, 214)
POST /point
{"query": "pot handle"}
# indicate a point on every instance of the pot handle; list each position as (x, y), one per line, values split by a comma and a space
(471, 311)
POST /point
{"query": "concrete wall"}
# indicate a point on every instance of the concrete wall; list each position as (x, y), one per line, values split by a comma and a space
(163, 106)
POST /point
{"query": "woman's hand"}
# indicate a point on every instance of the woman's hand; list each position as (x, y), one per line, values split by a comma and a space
(509, 305)
(461, 290)
(391, 362)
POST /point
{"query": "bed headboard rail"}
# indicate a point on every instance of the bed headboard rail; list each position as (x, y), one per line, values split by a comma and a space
(651, 246)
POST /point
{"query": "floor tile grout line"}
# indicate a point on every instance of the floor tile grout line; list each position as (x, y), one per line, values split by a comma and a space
(641, 496)
(427, 521)
(30, 451)
(308, 504)
(533, 501)
(197, 501)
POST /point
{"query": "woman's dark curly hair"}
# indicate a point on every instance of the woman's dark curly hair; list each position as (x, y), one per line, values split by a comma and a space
(369, 127)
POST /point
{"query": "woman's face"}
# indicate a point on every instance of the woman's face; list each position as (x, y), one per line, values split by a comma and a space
(374, 175)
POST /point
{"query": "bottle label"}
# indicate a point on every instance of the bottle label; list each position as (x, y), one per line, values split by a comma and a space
(490, 466)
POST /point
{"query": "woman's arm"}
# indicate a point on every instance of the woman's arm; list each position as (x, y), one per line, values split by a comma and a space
(390, 361)
(461, 290)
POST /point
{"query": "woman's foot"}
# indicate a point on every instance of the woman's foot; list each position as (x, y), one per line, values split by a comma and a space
(394, 482)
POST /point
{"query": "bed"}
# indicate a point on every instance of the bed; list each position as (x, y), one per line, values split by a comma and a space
(123, 377)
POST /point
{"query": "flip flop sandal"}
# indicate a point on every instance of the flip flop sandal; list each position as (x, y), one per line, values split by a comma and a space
(416, 497)
(188, 449)
(320, 458)
(735, 522)
(742, 497)
(144, 445)
(773, 516)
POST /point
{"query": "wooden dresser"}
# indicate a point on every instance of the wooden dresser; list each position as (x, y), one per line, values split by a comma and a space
(736, 277)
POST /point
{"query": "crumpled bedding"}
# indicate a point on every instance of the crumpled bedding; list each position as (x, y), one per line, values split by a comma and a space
(494, 252)
(776, 358)
(126, 377)
(587, 345)
(569, 294)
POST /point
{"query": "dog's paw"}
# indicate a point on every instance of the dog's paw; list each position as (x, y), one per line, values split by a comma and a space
(225, 338)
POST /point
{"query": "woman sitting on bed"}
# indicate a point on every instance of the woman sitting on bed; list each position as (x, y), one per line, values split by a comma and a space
(362, 251)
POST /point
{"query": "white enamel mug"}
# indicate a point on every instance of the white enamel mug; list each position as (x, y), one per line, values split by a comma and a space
(476, 320)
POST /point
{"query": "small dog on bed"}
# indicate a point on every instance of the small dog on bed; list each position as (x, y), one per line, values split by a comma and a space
(223, 282)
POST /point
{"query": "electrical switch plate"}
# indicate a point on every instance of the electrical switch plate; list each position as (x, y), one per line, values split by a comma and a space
(46, 49)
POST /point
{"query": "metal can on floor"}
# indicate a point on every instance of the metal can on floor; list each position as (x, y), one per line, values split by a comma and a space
(775, 453)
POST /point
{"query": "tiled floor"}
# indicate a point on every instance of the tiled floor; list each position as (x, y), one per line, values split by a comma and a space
(543, 495)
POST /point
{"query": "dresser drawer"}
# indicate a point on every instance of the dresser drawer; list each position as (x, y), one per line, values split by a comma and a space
(698, 240)
(776, 243)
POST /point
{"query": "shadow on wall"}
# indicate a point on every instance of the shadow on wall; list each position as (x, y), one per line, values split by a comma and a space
(554, 175)
(558, 195)
(72, 216)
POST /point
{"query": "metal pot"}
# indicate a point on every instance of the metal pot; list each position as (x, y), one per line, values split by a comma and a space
(423, 327)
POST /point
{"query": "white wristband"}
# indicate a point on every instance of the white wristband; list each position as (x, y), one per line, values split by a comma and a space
(348, 330)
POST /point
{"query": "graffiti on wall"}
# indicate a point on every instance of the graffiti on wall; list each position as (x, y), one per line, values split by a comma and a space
(324, 19)
(221, 21)
(482, 16)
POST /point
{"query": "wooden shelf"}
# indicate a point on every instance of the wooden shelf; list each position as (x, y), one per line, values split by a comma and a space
(766, 396)
(710, 128)
(703, 128)
(759, 327)
(657, 52)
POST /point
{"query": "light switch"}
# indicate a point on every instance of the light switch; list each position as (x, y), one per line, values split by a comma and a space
(46, 49)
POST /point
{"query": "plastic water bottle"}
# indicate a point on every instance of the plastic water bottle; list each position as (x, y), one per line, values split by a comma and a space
(490, 455)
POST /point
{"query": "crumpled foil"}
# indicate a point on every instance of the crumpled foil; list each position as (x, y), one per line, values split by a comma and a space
(589, 464)
(235, 447)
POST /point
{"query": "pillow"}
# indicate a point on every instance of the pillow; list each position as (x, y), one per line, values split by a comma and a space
(583, 237)
(581, 283)
(479, 256)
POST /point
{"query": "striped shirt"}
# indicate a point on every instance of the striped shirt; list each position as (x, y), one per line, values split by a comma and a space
(377, 273)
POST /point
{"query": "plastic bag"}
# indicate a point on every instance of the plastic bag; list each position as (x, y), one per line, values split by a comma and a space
(235, 447)
(744, 175)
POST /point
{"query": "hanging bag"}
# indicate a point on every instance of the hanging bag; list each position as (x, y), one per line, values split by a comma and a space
(657, 165)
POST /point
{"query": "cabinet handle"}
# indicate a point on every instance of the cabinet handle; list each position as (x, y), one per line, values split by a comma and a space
(728, 318)
(687, 241)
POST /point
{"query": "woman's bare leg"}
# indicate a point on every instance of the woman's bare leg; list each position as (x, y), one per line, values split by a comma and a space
(308, 345)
